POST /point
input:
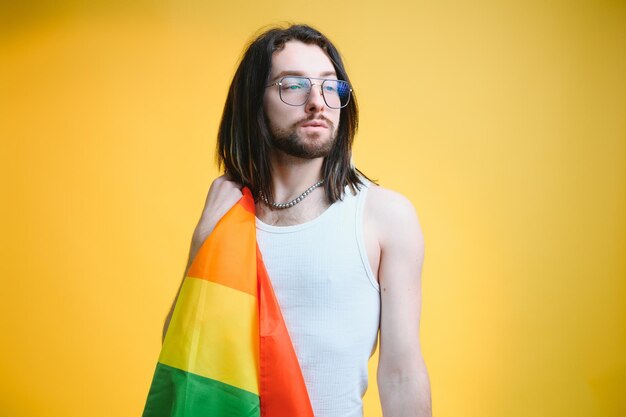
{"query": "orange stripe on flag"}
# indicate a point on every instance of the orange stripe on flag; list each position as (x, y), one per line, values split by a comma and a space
(227, 256)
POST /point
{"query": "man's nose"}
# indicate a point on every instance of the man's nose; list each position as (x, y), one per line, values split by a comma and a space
(315, 103)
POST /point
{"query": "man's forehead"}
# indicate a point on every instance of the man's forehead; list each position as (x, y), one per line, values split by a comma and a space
(297, 58)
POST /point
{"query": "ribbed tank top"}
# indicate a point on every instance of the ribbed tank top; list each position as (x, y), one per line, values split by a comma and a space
(330, 301)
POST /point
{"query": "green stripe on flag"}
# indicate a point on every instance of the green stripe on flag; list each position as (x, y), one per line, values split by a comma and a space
(176, 393)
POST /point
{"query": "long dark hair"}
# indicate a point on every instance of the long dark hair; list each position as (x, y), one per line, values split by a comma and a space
(244, 139)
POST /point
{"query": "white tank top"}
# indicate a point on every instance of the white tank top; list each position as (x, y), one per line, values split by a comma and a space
(330, 301)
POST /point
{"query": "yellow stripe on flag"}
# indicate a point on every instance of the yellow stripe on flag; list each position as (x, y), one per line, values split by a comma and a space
(214, 333)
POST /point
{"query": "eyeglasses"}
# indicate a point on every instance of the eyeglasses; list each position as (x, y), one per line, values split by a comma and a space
(295, 91)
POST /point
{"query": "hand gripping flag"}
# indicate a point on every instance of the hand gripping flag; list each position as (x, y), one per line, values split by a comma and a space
(227, 351)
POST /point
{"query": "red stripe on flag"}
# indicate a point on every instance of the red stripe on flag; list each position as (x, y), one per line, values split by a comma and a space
(282, 389)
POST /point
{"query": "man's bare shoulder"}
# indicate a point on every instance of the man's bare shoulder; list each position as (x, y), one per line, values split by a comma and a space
(392, 214)
(386, 204)
(382, 198)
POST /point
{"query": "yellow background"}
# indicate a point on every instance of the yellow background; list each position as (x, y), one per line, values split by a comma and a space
(503, 122)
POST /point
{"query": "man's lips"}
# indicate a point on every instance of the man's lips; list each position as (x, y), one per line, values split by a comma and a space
(315, 124)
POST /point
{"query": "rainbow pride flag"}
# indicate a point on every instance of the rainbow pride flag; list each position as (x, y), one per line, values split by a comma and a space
(227, 351)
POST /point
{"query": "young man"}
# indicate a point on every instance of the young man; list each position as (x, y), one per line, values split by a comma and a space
(344, 255)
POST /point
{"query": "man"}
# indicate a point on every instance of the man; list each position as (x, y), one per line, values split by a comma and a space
(344, 256)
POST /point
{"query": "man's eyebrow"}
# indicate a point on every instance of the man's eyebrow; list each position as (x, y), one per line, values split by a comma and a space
(302, 74)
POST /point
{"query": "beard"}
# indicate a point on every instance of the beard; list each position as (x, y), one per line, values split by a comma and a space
(291, 143)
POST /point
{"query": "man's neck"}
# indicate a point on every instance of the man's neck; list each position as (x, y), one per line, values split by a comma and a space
(291, 176)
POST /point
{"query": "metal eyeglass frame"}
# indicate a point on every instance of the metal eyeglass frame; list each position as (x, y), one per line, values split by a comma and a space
(279, 83)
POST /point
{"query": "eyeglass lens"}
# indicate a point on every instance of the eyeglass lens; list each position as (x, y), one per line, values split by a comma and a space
(295, 91)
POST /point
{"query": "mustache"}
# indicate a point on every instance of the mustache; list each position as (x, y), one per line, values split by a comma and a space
(310, 119)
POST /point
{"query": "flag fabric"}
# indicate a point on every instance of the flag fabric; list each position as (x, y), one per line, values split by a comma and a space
(227, 351)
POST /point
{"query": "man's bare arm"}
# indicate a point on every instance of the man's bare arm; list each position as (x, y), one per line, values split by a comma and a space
(223, 194)
(403, 381)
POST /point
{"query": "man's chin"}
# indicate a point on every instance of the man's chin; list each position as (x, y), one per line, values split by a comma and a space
(305, 152)
(307, 147)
